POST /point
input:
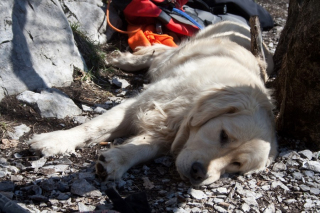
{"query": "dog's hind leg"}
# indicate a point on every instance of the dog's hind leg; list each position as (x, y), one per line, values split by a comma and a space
(141, 59)
(113, 163)
(116, 122)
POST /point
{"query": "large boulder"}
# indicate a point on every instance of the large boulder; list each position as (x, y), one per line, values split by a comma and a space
(50, 103)
(90, 15)
(37, 48)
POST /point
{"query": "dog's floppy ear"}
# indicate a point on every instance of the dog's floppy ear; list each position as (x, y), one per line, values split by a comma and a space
(181, 137)
(230, 100)
(214, 103)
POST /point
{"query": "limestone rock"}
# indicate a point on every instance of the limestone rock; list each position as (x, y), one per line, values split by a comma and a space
(90, 17)
(37, 46)
(51, 103)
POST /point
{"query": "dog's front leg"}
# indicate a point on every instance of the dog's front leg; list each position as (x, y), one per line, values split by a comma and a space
(116, 122)
(113, 163)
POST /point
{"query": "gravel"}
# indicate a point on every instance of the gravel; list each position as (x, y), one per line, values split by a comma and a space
(68, 183)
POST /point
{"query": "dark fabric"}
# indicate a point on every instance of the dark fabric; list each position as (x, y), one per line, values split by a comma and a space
(246, 9)
(206, 18)
(135, 203)
(204, 12)
(150, 11)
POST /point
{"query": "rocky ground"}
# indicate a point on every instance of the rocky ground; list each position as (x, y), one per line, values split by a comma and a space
(68, 184)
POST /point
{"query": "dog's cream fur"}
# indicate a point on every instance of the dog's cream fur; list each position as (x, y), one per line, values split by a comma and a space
(207, 105)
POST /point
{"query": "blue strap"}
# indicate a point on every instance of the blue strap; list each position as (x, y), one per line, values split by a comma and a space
(180, 12)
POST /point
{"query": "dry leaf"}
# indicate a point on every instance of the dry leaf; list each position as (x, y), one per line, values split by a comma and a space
(6, 143)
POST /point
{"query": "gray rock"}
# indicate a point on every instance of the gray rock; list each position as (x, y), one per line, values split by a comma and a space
(275, 184)
(12, 169)
(279, 167)
(252, 183)
(83, 188)
(306, 154)
(245, 207)
(220, 209)
(290, 154)
(54, 103)
(86, 108)
(197, 194)
(311, 165)
(308, 173)
(220, 190)
(80, 119)
(3, 161)
(122, 94)
(63, 160)
(29, 97)
(265, 187)
(308, 204)
(270, 209)
(19, 131)
(56, 168)
(218, 200)
(37, 48)
(38, 163)
(292, 162)
(93, 24)
(247, 193)
(250, 201)
(16, 178)
(179, 210)
(290, 201)
(304, 188)
(297, 175)
(122, 83)
(85, 208)
(315, 191)
(51, 103)
(100, 110)
(196, 210)
(3, 172)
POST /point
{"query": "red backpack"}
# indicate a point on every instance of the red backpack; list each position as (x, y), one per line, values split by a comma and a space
(141, 12)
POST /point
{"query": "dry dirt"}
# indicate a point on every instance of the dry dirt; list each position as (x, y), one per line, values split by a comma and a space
(14, 113)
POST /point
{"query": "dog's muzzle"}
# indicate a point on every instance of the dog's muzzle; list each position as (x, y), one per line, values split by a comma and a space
(197, 173)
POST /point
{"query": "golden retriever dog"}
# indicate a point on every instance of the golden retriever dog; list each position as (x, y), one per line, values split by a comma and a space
(207, 105)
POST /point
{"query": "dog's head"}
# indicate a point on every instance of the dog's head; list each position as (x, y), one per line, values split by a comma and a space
(229, 130)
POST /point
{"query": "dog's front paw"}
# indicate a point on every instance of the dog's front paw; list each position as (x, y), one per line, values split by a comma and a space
(52, 143)
(112, 164)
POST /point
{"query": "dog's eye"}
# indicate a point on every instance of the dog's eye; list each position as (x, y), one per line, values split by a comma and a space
(223, 137)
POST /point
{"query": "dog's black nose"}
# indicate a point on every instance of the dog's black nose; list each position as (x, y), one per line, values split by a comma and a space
(197, 172)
